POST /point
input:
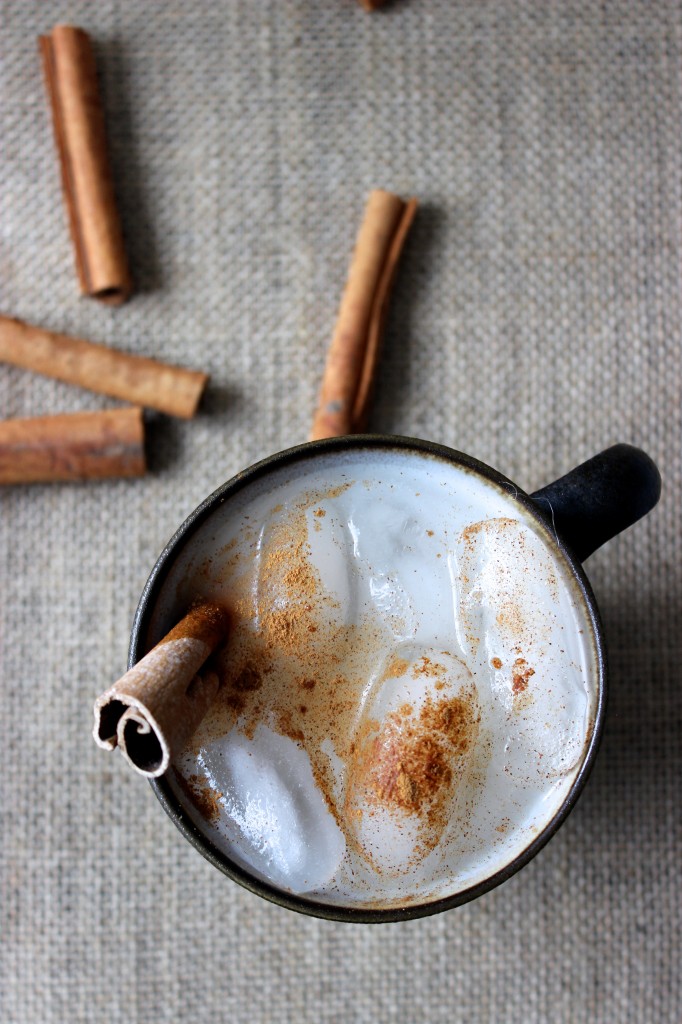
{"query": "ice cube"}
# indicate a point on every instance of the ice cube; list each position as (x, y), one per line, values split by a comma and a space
(413, 741)
(272, 810)
(330, 547)
(519, 631)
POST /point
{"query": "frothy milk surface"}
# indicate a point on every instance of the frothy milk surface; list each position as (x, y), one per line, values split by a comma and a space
(409, 683)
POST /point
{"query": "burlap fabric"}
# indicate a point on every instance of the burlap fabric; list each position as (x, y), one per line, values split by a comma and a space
(537, 319)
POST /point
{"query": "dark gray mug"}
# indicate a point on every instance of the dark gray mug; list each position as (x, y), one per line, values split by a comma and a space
(576, 514)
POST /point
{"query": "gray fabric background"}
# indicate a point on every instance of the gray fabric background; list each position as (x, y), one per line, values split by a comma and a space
(537, 319)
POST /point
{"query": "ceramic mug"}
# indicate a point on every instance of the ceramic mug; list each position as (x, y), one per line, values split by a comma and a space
(573, 516)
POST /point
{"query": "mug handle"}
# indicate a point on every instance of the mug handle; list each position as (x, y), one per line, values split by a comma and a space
(599, 498)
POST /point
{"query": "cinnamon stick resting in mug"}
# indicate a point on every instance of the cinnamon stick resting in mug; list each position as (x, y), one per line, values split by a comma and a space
(155, 707)
(72, 446)
(353, 358)
(133, 378)
(87, 183)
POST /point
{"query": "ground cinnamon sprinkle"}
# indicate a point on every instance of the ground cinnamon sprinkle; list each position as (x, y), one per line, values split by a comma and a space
(395, 668)
(249, 678)
(201, 795)
(299, 580)
(286, 727)
(409, 765)
(487, 525)
(286, 624)
(521, 675)
(511, 618)
(426, 667)
(410, 773)
(235, 701)
(334, 492)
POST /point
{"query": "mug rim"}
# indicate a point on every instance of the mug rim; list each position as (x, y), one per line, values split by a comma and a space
(290, 456)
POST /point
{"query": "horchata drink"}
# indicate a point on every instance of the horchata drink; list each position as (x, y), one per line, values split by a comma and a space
(409, 684)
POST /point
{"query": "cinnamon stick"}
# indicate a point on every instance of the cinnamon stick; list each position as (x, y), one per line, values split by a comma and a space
(72, 446)
(155, 707)
(87, 183)
(353, 356)
(133, 378)
(377, 322)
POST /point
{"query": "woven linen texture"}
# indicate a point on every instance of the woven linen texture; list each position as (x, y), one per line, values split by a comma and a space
(536, 320)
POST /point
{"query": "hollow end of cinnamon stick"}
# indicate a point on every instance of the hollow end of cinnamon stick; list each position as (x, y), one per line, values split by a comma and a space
(132, 378)
(353, 358)
(72, 447)
(152, 711)
(149, 743)
(87, 182)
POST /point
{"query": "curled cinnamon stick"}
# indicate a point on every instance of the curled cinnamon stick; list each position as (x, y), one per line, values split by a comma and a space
(155, 707)
(133, 378)
(72, 446)
(353, 356)
(87, 183)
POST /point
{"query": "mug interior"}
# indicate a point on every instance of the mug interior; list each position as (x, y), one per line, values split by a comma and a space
(191, 566)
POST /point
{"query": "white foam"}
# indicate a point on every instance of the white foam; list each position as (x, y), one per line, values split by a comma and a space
(446, 567)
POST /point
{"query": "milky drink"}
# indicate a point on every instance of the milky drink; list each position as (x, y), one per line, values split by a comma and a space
(409, 686)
